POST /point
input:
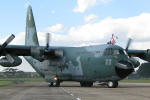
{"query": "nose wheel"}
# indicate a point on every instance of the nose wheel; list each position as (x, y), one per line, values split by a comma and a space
(54, 84)
(112, 84)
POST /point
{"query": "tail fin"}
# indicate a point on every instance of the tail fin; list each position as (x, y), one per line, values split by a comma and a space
(31, 38)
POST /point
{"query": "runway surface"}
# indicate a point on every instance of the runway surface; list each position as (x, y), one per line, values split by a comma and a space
(73, 91)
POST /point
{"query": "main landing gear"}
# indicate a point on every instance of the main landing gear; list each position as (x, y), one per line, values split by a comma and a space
(112, 84)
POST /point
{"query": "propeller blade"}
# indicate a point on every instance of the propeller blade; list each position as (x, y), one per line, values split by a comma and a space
(10, 58)
(11, 37)
(128, 44)
(47, 40)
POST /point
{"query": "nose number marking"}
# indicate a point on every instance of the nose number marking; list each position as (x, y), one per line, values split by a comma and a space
(108, 62)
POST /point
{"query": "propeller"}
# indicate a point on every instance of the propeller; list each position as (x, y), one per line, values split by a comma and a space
(10, 38)
(128, 44)
(56, 52)
(47, 40)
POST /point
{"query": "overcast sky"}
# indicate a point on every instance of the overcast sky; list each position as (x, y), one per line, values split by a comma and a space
(78, 22)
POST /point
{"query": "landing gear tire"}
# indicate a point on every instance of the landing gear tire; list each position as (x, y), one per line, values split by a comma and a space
(50, 84)
(86, 84)
(112, 84)
(54, 84)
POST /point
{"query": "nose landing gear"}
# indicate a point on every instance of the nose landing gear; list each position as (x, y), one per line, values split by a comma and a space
(55, 83)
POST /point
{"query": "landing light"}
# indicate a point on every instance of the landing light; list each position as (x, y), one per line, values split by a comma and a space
(55, 78)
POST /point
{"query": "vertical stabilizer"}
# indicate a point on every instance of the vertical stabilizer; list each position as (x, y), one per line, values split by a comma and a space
(31, 38)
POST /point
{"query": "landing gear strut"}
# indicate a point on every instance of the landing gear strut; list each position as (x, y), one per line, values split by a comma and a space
(112, 84)
(86, 84)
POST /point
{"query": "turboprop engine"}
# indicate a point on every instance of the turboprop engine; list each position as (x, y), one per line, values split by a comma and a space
(9, 60)
(47, 52)
(6, 63)
(135, 62)
(146, 55)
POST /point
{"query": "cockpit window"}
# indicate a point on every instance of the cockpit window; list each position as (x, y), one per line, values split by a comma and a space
(124, 52)
(116, 52)
(110, 51)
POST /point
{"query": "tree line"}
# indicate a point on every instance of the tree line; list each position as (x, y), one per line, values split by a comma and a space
(16, 73)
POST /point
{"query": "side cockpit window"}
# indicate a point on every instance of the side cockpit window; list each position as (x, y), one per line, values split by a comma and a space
(122, 51)
(117, 52)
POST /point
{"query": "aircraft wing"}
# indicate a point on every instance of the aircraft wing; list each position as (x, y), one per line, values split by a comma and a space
(143, 54)
(17, 50)
(11, 53)
(21, 50)
(40, 53)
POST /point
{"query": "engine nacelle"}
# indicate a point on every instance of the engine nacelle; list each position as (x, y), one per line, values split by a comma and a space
(148, 51)
(5, 63)
(43, 54)
(37, 53)
(59, 53)
(146, 55)
(135, 62)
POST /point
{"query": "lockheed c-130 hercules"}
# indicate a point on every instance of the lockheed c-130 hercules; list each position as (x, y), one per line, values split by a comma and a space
(104, 63)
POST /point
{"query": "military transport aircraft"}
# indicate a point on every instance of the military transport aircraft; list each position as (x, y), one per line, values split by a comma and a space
(104, 63)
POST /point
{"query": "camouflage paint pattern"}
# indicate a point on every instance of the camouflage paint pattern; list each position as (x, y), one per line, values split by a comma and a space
(78, 63)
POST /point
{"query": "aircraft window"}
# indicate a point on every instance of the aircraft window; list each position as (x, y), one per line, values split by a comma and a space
(116, 52)
(121, 52)
(108, 51)
(125, 52)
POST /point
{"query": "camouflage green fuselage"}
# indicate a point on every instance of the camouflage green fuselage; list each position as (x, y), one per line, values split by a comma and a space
(87, 63)
(80, 64)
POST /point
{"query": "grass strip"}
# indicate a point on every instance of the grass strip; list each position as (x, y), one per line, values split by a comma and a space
(147, 80)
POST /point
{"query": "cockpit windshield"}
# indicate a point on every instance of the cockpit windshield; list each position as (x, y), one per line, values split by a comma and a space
(110, 51)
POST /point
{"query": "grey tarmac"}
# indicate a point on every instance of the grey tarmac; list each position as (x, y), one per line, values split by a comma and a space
(73, 91)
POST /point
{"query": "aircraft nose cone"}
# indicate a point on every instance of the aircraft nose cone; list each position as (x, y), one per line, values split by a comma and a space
(124, 68)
